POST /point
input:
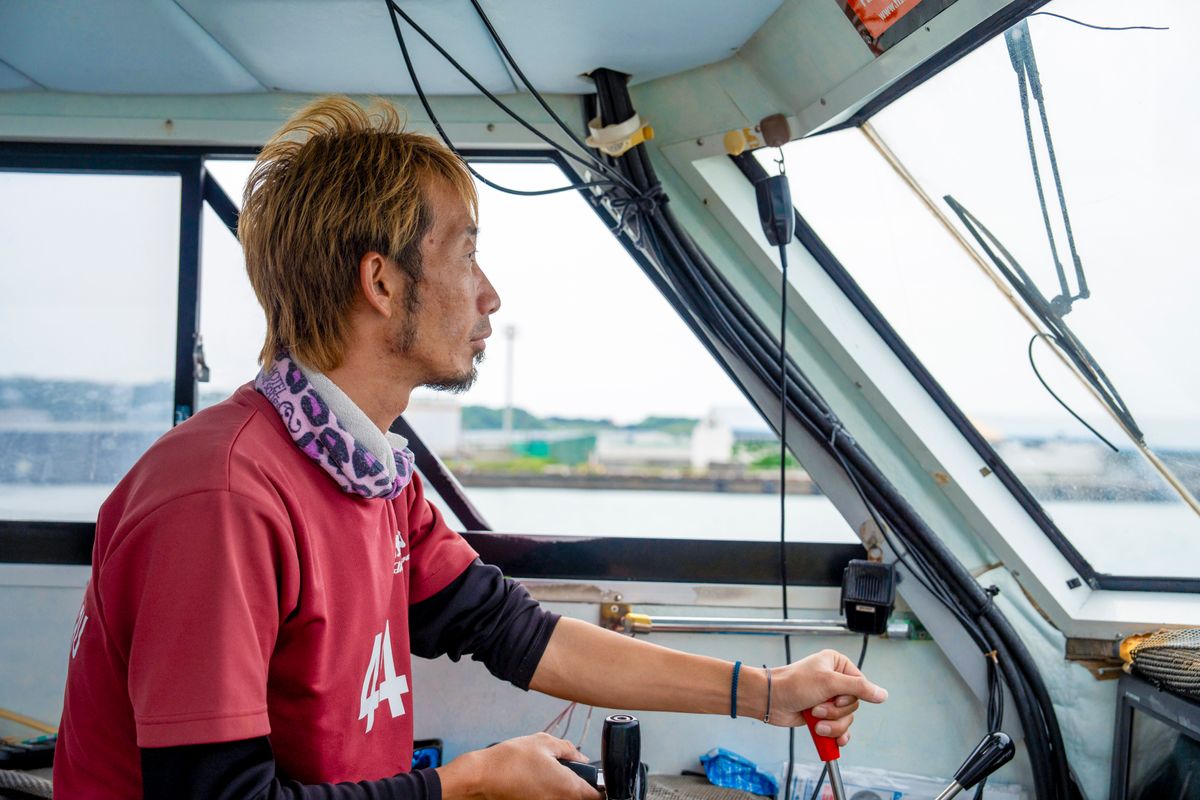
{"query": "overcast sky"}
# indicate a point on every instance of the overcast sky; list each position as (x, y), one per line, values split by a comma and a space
(88, 262)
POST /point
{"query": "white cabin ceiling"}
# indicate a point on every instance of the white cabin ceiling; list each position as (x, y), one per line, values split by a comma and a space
(315, 46)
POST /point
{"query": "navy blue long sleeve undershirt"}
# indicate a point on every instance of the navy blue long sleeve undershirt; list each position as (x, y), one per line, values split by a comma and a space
(480, 613)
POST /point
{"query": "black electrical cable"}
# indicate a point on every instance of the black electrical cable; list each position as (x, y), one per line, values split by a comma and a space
(1033, 365)
(783, 415)
(1099, 27)
(393, 11)
(591, 161)
(512, 62)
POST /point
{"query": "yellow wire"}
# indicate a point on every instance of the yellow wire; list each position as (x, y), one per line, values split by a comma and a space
(28, 722)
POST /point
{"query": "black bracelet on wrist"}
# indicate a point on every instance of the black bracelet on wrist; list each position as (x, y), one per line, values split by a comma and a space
(767, 714)
(737, 666)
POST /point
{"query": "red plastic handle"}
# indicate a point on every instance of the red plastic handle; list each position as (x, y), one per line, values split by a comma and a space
(827, 747)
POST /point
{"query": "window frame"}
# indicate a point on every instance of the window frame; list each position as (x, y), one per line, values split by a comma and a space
(534, 556)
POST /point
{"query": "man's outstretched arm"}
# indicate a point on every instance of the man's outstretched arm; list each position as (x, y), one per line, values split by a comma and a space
(599, 667)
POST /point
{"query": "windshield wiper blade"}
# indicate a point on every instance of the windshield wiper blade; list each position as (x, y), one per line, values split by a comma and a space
(1050, 314)
(1029, 81)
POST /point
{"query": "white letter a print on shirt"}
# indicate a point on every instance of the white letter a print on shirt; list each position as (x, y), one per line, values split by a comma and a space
(390, 688)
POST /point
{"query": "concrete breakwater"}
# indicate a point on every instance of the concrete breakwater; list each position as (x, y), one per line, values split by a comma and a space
(730, 485)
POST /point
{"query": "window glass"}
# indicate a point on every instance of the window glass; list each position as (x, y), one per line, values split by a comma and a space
(232, 326)
(89, 269)
(1130, 191)
(622, 424)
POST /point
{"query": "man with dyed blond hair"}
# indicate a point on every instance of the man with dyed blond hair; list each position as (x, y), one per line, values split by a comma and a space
(264, 573)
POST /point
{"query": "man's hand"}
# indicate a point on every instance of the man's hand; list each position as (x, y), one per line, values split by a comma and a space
(829, 684)
(517, 769)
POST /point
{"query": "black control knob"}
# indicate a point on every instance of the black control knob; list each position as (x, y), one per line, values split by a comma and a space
(621, 756)
(989, 755)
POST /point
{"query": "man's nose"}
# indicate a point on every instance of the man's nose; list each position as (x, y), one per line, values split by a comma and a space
(489, 299)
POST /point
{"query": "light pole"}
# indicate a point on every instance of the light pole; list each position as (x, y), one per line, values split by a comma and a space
(510, 334)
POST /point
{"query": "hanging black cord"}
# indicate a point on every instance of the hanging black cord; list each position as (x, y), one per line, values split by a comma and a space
(783, 415)
(591, 161)
(1098, 27)
(393, 11)
(597, 162)
(1050, 338)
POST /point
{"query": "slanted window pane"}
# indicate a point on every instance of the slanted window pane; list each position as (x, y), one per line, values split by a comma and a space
(1131, 194)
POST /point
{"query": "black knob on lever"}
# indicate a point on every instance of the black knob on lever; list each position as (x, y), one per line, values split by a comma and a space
(621, 757)
(989, 755)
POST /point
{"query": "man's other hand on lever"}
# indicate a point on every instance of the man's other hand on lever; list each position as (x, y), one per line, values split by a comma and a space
(517, 769)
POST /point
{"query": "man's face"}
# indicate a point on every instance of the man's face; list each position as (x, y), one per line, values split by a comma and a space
(444, 337)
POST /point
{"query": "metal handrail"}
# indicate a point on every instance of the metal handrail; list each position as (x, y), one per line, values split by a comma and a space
(644, 623)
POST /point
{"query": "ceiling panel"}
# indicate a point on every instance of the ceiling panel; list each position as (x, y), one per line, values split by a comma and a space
(313, 46)
(349, 46)
(645, 39)
(13, 81)
(116, 47)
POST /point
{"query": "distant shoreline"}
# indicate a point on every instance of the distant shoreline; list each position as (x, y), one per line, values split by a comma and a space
(754, 485)
(738, 485)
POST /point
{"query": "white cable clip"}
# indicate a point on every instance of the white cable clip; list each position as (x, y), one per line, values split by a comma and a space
(616, 140)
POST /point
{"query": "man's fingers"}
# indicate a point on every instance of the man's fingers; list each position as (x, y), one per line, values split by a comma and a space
(859, 687)
(835, 729)
(561, 748)
(843, 664)
(835, 710)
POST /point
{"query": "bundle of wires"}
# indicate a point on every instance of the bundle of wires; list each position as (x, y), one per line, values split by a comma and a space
(626, 192)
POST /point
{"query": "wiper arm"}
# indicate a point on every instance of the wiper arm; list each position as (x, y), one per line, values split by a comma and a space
(1050, 314)
(1029, 81)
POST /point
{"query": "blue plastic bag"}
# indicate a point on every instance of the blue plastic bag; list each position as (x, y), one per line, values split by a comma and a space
(734, 771)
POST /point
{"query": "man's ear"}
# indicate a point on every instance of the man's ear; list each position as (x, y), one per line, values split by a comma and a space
(380, 283)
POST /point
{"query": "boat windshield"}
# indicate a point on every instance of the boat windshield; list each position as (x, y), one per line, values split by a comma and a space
(1120, 111)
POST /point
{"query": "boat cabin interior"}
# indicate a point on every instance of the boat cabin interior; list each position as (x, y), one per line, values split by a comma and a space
(850, 324)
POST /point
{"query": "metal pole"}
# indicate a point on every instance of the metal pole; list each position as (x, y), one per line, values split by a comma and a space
(510, 333)
(641, 623)
(835, 780)
(950, 791)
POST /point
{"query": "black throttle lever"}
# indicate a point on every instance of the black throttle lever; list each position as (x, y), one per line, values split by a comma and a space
(591, 774)
(989, 755)
(621, 775)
